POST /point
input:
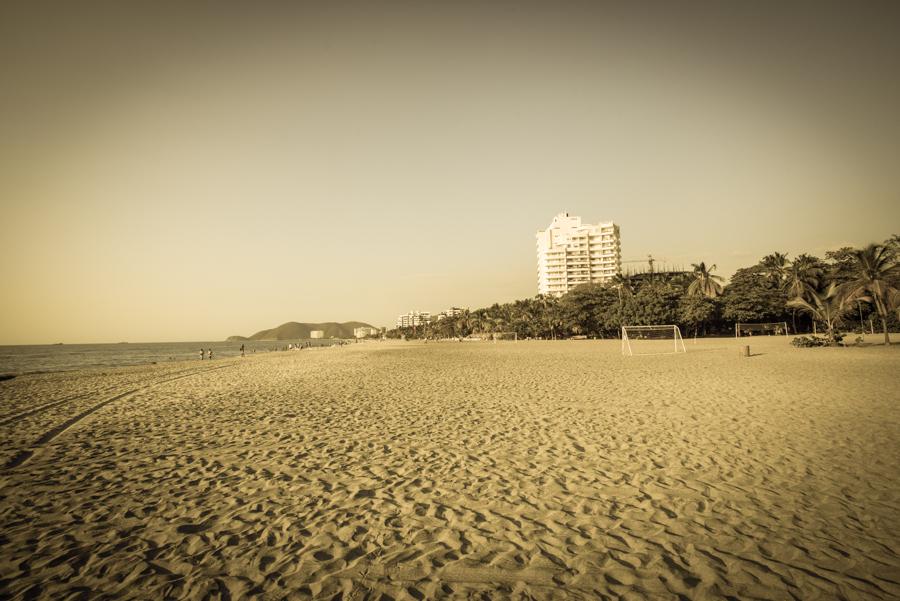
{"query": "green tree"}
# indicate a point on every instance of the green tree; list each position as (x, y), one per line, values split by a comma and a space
(828, 306)
(893, 303)
(775, 267)
(549, 314)
(753, 296)
(580, 308)
(617, 315)
(840, 265)
(472, 322)
(804, 275)
(654, 304)
(704, 282)
(695, 310)
(893, 243)
(875, 273)
(519, 316)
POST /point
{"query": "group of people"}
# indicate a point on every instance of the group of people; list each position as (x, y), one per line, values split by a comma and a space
(208, 353)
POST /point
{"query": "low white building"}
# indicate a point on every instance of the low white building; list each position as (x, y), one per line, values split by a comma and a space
(451, 312)
(316, 334)
(365, 331)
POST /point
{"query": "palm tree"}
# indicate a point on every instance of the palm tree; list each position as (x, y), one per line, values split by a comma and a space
(494, 324)
(875, 274)
(828, 306)
(705, 283)
(803, 276)
(775, 266)
(547, 305)
(624, 287)
(471, 322)
(522, 318)
(625, 292)
(622, 284)
(893, 243)
(894, 302)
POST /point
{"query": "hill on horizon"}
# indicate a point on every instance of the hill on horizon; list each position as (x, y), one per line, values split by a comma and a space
(294, 330)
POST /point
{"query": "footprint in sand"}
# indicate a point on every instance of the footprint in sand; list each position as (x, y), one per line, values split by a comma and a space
(191, 528)
(323, 556)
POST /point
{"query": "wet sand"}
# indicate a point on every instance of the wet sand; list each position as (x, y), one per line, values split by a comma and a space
(545, 470)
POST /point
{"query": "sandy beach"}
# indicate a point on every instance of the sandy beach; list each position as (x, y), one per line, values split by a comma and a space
(529, 470)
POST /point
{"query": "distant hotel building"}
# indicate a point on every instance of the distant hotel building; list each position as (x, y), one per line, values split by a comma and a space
(570, 253)
(316, 334)
(365, 331)
(451, 312)
(413, 319)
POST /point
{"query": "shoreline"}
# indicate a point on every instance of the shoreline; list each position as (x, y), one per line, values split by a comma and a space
(229, 350)
(37, 359)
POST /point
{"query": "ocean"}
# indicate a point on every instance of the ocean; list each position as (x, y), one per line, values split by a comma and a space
(41, 358)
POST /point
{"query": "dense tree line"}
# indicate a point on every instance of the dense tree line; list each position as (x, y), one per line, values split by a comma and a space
(846, 289)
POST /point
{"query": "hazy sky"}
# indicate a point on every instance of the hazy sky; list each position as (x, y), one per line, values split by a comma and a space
(176, 173)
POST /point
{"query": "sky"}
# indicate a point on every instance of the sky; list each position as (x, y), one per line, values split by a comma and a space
(190, 171)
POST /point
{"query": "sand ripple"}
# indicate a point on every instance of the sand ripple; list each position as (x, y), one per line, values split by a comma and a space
(527, 470)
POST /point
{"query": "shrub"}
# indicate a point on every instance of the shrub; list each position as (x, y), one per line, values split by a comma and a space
(811, 341)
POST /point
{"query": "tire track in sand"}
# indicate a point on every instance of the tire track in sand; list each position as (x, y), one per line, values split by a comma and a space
(18, 416)
(14, 417)
(25, 454)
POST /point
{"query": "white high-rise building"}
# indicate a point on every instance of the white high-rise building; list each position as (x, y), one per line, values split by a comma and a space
(570, 253)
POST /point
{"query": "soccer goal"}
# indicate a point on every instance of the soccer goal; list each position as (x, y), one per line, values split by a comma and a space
(777, 328)
(652, 340)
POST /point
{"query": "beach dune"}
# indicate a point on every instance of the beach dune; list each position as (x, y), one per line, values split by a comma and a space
(529, 470)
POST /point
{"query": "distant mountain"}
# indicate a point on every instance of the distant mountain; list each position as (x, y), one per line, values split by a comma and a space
(293, 330)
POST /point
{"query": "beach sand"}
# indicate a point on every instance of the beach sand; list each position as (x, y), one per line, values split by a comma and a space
(545, 470)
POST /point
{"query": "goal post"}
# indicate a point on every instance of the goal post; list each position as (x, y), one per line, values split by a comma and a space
(775, 328)
(652, 340)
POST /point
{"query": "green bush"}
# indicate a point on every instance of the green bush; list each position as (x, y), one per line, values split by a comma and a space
(812, 341)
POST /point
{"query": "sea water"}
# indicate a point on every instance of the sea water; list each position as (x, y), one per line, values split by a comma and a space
(29, 359)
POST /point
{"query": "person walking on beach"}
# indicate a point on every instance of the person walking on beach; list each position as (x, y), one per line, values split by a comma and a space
(242, 350)
(210, 354)
(201, 354)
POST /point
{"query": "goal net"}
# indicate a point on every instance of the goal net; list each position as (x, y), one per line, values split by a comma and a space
(777, 328)
(651, 340)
